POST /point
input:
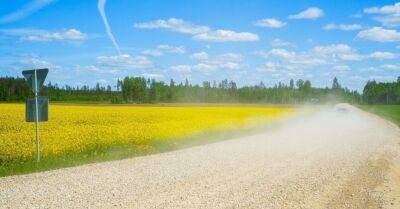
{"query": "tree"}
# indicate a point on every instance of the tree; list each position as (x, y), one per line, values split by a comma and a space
(335, 83)
(291, 85)
(299, 83)
(142, 90)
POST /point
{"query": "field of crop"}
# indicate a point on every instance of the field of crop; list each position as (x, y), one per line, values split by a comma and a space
(79, 128)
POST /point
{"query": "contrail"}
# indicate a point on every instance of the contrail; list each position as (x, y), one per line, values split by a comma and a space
(25, 11)
(100, 7)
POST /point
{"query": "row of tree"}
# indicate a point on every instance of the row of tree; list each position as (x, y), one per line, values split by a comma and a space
(141, 90)
(382, 93)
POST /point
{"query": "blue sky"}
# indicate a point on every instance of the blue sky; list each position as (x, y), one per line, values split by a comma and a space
(246, 41)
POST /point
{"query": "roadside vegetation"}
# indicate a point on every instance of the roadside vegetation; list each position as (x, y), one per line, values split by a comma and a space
(390, 112)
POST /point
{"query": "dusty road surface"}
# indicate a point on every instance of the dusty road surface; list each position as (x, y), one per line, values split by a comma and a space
(337, 158)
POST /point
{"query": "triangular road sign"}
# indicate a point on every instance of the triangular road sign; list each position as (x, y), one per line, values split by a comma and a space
(30, 77)
(43, 109)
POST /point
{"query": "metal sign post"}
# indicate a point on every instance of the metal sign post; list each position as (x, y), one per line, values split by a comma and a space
(37, 120)
(36, 79)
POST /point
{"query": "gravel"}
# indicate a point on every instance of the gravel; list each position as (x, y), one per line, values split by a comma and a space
(310, 162)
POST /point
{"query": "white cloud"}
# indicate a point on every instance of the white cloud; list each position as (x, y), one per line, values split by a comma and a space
(294, 59)
(343, 27)
(279, 70)
(308, 60)
(269, 67)
(226, 35)
(383, 55)
(390, 14)
(334, 51)
(351, 57)
(172, 49)
(228, 57)
(270, 23)
(369, 69)
(379, 34)
(125, 61)
(206, 68)
(229, 65)
(203, 33)
(25, 11)
(387, 9)
(34, 62)
(181, 68)
(333, 54)
(333, 48)
(152, 52)
(390, 67)
(310, 13)
(101, 68)
(230, 61)
(94, 69)
(174, 24)
(68, 35)
(161, 49)
(300, 59)
(200, 56)
(279, 43)
(389, 20)
(341, 68)
(283, 53)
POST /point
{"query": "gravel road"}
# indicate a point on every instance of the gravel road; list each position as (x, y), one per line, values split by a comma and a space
(334, 158)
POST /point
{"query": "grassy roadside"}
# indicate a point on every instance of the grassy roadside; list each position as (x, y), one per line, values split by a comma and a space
(390, 112)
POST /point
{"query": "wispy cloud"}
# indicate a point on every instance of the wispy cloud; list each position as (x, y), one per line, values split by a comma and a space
(383, 55)
(27, 34)
(310, 13)
(343, 27)
(100, 7)
(125, 61)
(270, 23)
(174, 24)
(229, 61)
(226, 35)
(25, 11)
(279, 43)
(387, 9)
(379, 34)
(198, 32)
(161, 49)
(389, 14)
(180, 69)
(67, 35)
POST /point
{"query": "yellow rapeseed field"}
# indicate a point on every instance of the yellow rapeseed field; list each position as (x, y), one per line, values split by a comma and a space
(76, 128)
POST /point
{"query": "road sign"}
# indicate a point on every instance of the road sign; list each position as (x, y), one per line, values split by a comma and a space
(37, 108)
(30, 77)
(43, 106)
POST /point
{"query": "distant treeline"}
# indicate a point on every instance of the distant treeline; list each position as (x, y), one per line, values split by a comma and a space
(141, 90)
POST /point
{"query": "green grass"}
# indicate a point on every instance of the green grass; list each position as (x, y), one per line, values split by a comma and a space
(390, 112)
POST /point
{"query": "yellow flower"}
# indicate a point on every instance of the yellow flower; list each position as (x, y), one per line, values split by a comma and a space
(77, 128)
